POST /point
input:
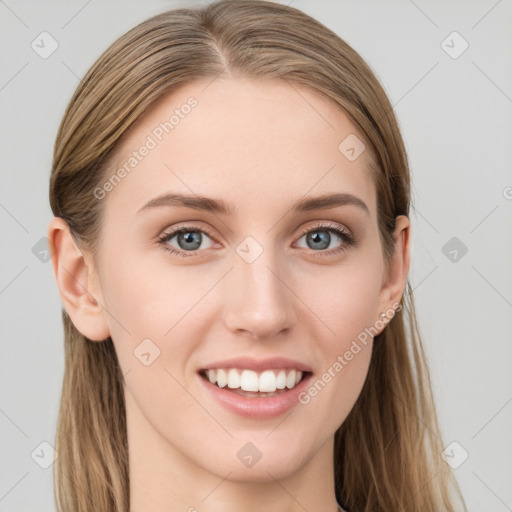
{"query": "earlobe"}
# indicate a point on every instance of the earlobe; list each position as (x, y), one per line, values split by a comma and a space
(395, 279)
(76, 282)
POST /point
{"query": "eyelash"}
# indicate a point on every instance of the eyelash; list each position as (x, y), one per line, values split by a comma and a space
(348, 239)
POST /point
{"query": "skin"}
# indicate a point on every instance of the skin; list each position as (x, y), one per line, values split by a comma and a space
(260, 146)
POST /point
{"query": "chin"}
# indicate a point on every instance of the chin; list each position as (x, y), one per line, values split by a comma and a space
(260, 461)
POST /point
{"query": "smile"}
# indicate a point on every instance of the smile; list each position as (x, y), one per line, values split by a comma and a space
(252, 394)
(256, 383)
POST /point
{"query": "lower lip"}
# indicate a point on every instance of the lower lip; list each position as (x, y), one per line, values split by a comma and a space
(255, 407)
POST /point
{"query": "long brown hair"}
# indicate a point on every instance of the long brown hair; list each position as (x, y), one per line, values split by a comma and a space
(388, 451)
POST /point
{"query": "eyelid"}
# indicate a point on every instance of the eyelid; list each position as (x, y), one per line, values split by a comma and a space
(327, 225)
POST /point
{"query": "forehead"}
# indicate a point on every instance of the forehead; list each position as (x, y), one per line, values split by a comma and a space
(255, 143)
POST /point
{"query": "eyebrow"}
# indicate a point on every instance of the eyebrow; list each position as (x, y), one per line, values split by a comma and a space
(209, 204)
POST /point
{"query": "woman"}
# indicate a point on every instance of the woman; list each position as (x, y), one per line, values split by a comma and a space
(231, 245)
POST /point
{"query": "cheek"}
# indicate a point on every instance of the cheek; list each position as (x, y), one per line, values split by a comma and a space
(158, 309)
(150, 300)
(345, 356)
(345, 296)
(150, 314)
(346, 300)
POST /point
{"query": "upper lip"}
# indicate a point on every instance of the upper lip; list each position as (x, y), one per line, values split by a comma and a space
(258, 364)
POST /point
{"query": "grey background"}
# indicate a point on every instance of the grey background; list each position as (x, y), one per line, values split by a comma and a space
(455, 114)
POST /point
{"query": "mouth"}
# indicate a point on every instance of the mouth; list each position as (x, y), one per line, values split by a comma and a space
(256, 389)
(253, 384)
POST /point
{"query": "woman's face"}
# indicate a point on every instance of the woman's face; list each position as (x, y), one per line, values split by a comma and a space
(263, 277)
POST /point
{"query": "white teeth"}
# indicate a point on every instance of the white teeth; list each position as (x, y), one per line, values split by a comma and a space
(248, 380)
(267, 381)
(290, 380)
(281, 380)
(233, 379)
(222, 379)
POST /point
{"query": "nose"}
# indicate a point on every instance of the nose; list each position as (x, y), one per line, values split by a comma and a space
(259, 300)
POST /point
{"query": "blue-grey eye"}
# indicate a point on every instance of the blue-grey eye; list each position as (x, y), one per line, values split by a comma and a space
(319, 239)
(189, 240)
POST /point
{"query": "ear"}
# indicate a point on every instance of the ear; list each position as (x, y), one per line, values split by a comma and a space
(395, 277)
(77, 282)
